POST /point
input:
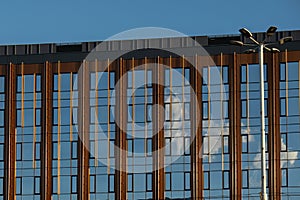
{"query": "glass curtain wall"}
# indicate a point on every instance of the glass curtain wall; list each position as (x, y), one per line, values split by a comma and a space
(251, 129)
(177, 132)
(289, 128)
(102, 135)
(64, 136)
(139, 134)
(28, 136)
(215, 132)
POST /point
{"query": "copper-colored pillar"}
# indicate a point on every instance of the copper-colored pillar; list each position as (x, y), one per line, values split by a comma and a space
(158, 116)
(121, 143)
(235, 142)
(46, 140)
(83, 128)
(10, 133)
(274, 140)
(196, 132)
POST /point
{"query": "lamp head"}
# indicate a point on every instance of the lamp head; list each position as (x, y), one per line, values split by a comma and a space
(245, 32)
(236, 42)
(285, 40)
(271, 30)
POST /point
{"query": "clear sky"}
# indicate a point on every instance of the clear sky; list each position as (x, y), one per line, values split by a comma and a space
(62, 21)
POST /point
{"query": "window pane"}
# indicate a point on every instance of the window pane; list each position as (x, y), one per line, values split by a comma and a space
(1, 184)
(225, 144)
(74, 149)
(245, 178)
(244, 143)
(19, 151)
(284, 177)
(1, 152)
(149, 182)
(74, 184)
(92, 183)
(18, 185)
(283, 107)
(36, 185)
(244, 74)
(282, 71)
(244, 108)
(205, 110)
(129, 178)
(186, 111)
(187, 179)
(226, 179)
(168, 181)
(111, 183)
(206, 180)
(37, 150)
(225, 74)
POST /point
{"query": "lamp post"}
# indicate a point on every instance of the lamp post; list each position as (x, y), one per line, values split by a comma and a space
(260, 47)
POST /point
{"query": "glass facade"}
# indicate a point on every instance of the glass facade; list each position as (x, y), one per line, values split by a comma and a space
(289, 129)
(28, 136)
(215, 132)
(178, 177)
(64, 136)
(251, 129)
(177, 132)
(102, 135)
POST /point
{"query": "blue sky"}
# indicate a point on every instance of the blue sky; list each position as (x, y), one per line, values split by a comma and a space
(62, 21)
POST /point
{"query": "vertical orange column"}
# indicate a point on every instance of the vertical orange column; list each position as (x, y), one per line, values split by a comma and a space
(10, 133)
(46, 140)
(235, 129)
(196, 132)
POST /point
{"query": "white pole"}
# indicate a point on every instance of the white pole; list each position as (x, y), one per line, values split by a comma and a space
(263, 142)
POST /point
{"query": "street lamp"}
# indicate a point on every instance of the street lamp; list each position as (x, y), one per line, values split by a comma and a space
(260, 47)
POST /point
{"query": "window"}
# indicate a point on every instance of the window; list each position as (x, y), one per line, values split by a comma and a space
(205, 110)
(187, 76)
(112, 80)
(92, 183)
(112, 148)
(205, 145)
(54, 184)
(282, 72)
(186, 111)
(54, 149)
(19, 151)
(37, 151)
(206, 180)
(111, 114)
(149, 147)
(19, 185)
(36, 185)
(225, 110)
(130, 182)
(1, 118)
(111, 183)
(244, 74)
(1, 184)
(2, 84)
(1, 152)
(244, 108)
(167, 146)
(74, 185)
(187, 180)
(225, 74)
(187, 144)
(149, 181)
(204, 76)
(282, 107)
(167, 112)
(37, 116)
(284, 177)
(245, 178)
(149, 112)
(244, 143)
(283, 142)
(168, 181)
(38, 83)
(74, 149)
(226, 179)
(225, 144)
(149, 78)
(130, 147)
